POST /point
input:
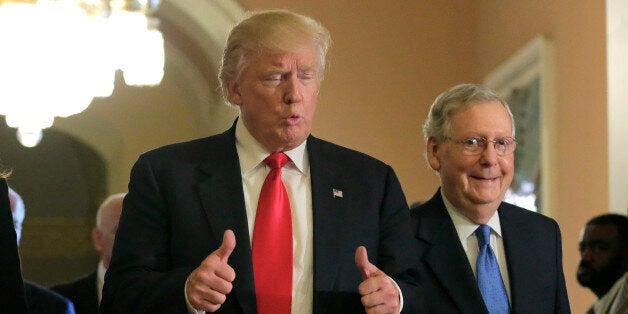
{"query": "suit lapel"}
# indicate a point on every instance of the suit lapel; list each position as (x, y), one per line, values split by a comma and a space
(521, 266)
(221, 195)
(329, 222)
(455, 274)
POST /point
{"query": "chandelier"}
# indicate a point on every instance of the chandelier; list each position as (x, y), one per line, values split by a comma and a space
(57, 55)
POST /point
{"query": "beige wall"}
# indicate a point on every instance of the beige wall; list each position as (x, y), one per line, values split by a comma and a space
(391, 58)
(578, 31)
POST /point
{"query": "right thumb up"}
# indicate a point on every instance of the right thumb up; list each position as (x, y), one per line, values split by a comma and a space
(228, 244)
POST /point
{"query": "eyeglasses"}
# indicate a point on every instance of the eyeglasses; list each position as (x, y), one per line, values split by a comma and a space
(477, 145)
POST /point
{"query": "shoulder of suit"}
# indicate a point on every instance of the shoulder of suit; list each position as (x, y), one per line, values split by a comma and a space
(79, 283)
(434, 203)
(37, 292)
(196, 148)
(514, 211)
(340, 153)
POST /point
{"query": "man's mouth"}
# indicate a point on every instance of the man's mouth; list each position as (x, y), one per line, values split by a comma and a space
(483, 178)
(293, 119)
(584, 269)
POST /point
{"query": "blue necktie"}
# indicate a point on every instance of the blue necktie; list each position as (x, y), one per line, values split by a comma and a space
(489, 279)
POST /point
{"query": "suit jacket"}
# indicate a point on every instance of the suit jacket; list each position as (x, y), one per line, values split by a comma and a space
(183, 197)
(45, 301)
(11, 285)
(533, 254)
(83, 292)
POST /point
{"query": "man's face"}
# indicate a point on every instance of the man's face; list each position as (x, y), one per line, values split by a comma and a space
(475, 184)
(105, 234)
(277, 95)
(601, 256)
(18, 212)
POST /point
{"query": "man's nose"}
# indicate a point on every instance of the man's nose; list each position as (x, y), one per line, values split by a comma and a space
(586, 254)
(293, 92)
(489, 154)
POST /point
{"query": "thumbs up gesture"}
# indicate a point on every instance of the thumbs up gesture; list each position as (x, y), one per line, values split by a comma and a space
(208, 285)
(379, 292)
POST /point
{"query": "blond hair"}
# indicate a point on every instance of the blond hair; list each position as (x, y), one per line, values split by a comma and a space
(273, 31)
(5, 173)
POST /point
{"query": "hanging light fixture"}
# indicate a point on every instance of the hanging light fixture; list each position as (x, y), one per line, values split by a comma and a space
(57, 55)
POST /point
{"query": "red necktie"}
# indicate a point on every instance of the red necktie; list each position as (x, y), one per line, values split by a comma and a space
(272, 243)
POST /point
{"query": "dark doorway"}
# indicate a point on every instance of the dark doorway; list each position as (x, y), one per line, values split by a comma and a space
(62, 181)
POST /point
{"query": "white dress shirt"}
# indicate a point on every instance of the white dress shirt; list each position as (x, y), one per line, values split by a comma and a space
(466, 228)
(100, 279)
(296, 178)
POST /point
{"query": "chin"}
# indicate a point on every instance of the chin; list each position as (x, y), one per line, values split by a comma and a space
(487, 198)
(294, 137)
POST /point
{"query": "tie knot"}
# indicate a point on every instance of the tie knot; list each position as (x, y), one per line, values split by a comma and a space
(276, 160)
(483, 233)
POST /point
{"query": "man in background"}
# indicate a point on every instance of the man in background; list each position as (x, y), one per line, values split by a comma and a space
(478, 254)
(86, 292)
(38, 298)
(604, 262)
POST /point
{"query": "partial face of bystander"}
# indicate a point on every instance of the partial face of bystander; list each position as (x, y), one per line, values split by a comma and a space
(601, 257)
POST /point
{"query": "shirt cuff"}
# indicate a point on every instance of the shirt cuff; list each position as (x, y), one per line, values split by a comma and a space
(400, 295)
(191, 309)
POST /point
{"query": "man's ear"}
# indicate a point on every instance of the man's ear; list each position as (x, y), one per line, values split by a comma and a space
(97, 239)
(233, 88)
(432, 153)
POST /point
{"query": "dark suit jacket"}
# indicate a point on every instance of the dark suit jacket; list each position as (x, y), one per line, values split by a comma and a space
(533, 254)
(11, 285)
(83, 292)
(183, 197)
(45, 301)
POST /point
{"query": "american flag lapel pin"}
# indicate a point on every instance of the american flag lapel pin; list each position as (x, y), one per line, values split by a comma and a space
(337, 193)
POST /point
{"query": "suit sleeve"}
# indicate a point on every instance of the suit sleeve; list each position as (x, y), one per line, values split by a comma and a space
(11, 286)
(562, 300)
(141, 278)
(398, 257)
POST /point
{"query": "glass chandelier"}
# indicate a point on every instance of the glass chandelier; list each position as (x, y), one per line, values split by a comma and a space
(57, 55)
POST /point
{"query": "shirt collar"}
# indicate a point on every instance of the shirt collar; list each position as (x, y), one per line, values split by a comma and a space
(464, 226)
(101, 272)
(251, 152)
(100, 279)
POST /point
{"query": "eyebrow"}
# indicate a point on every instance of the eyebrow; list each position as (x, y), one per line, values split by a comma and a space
(300, 67)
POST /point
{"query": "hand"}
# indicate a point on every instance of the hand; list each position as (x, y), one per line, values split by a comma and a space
(379, 293)
(208, 285)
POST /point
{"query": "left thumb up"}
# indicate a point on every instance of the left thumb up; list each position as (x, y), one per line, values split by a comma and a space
(362, 262)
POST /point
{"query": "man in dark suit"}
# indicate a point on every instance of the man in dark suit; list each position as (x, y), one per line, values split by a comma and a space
(11, 283)
(470, 143)
(86, 292)
(187, 234)
(38, 298)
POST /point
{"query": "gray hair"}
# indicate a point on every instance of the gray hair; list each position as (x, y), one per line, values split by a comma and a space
(272, 31)
(18, 211)
(110, 202)
(461, 96)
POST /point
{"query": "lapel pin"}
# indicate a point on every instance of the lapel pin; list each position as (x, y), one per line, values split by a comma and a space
(337, 193)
